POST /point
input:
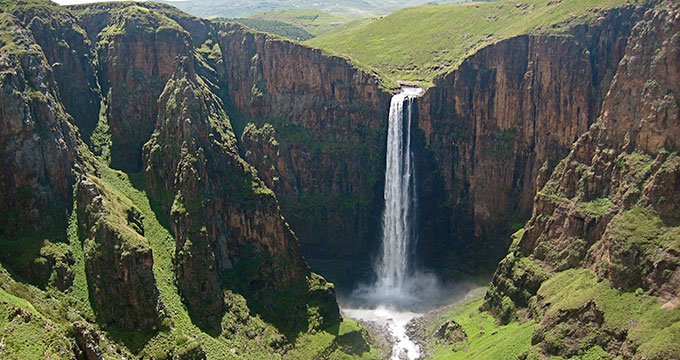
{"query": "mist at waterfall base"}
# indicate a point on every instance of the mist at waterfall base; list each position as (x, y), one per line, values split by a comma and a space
(399, 292)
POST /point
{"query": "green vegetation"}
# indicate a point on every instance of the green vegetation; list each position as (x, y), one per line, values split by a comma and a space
(163, 247)
(273, 27)
(340, 30)
(245, 8)
(210, 50)
(596, 207)
(551, 190)
(436, 38)
(634, 165)
(634, 241)
(486, 339)
(561, 298)
(101, 136)
(36, 5)
(39, 323)
(313, 22)
(346, 341)
(138, 18)
(246, 333)
(655, 329)
(26, 333)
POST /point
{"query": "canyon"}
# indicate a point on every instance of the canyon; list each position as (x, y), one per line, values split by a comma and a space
(174, 186)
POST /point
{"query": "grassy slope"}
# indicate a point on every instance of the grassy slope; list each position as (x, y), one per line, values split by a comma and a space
(315, 22)
(52, 312)
(337, 342)
(656, 329)
(342, 30)
(245, 8)
(162, 244)
(272, 26)
(487, 340)
(416, 44)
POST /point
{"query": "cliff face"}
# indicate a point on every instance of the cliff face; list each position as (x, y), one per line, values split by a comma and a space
(495, 128)
(609, 207)
(118, 259)
(68, 51)
(87, 90)
(136, 51)
(37, 154)
(223, 216)
(315, 129)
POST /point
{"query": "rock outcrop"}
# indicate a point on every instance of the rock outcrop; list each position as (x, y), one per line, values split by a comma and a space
(69, 54)
(155, 87)
(118, 259)
(136, 52)
(228, 229)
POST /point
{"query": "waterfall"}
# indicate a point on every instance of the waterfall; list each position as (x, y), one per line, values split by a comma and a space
(399, 293)
(398, 216)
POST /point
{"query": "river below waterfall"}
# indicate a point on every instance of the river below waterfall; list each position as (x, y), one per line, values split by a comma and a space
(394, 321)
(387, 316)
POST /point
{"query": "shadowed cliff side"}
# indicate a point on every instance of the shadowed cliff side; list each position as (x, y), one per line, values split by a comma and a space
(494, 129)
(315, 128)
(68, 51)
(37, 155)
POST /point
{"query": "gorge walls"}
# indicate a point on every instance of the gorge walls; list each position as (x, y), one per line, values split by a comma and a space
(315, 129)
(113, 105)
(609, 209)
(494, 129)
(38, 150)
(609, 205)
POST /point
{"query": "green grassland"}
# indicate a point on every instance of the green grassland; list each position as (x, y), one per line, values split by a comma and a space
(341, 30)
(486, 339)
(273, 27)
(300, 24)
(655, 329)
(417, 44)
(246, 8)
(315, 22)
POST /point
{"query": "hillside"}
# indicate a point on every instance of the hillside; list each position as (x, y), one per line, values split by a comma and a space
(299, 25)
(273, 27)
(439, 37)
(245, 8)
(315, 22)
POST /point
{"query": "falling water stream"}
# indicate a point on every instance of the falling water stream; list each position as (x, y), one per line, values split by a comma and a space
(397, 226)
(394, 299)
